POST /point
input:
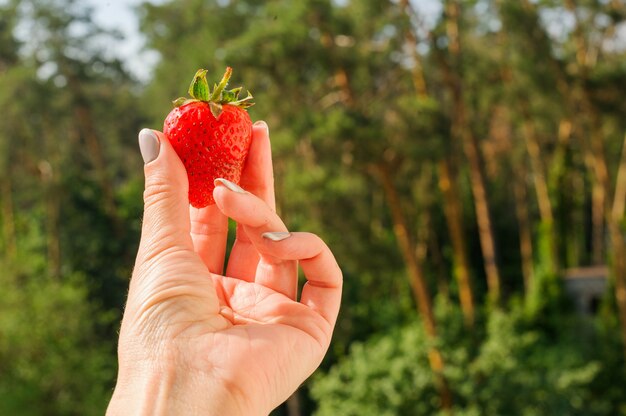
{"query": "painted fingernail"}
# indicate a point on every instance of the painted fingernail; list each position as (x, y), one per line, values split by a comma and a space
(230, 185)
(277, 236)
(149, 145)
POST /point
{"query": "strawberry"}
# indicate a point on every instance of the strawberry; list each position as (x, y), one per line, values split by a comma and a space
(211, 133)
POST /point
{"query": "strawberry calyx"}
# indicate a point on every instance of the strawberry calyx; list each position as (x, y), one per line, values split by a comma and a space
(200, 92)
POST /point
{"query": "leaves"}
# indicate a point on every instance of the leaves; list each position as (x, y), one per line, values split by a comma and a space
(344, 88)
(199, 91)
(199, 88)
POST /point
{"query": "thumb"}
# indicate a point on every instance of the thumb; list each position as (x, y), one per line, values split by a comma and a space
(166, 221)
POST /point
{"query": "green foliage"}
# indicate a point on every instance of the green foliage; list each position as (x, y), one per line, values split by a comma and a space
(52, 360)
(67, 244)
(517, 370)
(545, 296)
(336, 82)
(521, 371)
(388, 375)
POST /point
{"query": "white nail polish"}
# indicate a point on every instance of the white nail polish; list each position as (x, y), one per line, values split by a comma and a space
(229, 185)
(277, 236)
(149, 145)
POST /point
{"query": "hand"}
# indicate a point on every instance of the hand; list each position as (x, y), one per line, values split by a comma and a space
(195, 341)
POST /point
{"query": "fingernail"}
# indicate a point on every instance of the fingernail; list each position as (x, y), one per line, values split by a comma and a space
(230, 185)
(261, 124)
(277, 236)
(149, 145)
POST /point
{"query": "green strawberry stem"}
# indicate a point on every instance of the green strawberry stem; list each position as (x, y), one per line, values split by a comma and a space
(199, 91)
(217, 92)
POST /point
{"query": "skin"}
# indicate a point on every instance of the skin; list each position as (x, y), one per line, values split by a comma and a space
(196, 340)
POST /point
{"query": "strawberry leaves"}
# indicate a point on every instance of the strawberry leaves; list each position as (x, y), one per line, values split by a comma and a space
(199, 87)
(199, 91)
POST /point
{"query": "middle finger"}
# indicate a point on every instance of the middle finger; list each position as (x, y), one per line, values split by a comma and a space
(257, 218)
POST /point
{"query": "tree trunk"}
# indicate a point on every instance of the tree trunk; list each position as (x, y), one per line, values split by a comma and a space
(483, 216)
(577, 98)
(427, 243)
(416, 280)
(461, 131)
(541, 184)
(453, 211)
(613, 212)
(447, 184)
(538, 175)
(87, 128)
(598, 204)
(48, 172)
(525, 235)
(8, 219)
(616, 216)
(52, 209)
(417, 73)
(619, 201)
(619, 269)
(436, 258)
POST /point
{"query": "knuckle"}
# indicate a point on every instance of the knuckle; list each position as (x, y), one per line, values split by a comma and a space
(159, 186)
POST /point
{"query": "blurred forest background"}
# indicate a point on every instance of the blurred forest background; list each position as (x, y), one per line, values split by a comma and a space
(460, 168)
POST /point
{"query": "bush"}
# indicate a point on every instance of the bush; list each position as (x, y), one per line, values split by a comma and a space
(516, 370)
(51, 360)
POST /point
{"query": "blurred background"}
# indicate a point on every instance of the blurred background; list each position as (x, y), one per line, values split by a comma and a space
(464, 159)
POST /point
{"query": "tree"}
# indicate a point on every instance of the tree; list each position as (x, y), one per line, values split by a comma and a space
(320, 67)
(65, 267)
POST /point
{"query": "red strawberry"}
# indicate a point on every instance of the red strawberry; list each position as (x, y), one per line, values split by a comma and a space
(211, 133)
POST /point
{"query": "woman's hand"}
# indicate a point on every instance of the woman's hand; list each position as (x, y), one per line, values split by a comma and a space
(195, 340)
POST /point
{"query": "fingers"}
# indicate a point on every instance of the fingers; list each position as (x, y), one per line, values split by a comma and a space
(255, 217)
(166, 267)
(279, 275)
(166, 216)
(322, 292)
(209, 231)
(209, 227)
(280, 251)
(258, 175)
(257, 178)
(245, 208)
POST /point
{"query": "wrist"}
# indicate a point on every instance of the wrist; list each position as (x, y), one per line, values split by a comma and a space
(159, 392)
